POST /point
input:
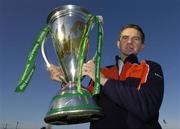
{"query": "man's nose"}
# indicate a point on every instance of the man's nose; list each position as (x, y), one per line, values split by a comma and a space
(130, 40)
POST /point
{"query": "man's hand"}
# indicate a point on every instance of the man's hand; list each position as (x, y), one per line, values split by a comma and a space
(56, 73)
(89, 70)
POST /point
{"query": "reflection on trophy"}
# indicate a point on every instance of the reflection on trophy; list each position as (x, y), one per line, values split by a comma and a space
(68, 24)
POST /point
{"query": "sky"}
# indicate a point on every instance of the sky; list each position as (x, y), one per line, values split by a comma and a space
(22, 20)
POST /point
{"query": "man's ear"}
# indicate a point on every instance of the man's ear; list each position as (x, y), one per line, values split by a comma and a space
(118, 44)
(142, 47)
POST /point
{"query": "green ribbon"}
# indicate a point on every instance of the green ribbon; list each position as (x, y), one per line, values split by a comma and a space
(98, 57)
(30, 64)
(84, 40)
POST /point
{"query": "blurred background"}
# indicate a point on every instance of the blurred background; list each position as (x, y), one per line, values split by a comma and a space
(22, 20)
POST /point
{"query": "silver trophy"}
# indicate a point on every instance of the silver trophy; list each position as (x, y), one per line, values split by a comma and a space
(69, 106)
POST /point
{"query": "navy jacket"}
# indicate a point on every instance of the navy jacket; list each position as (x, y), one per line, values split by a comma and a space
(132, 99)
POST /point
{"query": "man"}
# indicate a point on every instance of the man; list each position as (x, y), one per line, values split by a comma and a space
(132, 91)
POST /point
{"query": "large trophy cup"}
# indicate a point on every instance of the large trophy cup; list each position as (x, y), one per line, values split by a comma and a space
(69, 26)
(67, 30)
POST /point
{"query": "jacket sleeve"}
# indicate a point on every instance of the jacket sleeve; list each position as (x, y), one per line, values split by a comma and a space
(143, 103)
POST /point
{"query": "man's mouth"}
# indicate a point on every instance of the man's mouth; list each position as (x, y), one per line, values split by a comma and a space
(130, 49)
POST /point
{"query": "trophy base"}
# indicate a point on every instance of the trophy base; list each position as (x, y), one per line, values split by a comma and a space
(73, 117)
(71, 107)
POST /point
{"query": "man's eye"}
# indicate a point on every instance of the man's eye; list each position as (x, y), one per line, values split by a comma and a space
(136, 39)
(125, 37)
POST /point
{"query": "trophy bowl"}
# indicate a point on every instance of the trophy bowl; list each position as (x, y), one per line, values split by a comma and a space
(67, 25)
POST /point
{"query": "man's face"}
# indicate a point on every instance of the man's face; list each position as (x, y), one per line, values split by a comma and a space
(130, 42)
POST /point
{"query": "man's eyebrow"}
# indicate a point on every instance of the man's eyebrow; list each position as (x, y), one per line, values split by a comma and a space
(124, 36)
(137, 36)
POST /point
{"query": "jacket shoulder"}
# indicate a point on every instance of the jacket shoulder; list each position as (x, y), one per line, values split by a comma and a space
(152, 63)
(155, 67)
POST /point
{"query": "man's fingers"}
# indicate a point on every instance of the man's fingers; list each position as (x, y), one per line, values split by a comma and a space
(55, 72)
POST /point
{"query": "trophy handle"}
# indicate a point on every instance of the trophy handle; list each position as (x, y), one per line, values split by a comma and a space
(97, 57)
(44, 54)
(47, 61)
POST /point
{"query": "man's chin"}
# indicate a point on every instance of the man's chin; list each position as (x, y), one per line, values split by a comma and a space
(124, 55)
(129, 53)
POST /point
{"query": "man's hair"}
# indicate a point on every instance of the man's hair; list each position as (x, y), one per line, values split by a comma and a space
(135, 27)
